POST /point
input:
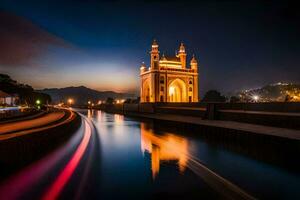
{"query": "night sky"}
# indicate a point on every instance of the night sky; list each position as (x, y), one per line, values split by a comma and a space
(101, 45)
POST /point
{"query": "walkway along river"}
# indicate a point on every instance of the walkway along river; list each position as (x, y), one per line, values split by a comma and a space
(112, 156)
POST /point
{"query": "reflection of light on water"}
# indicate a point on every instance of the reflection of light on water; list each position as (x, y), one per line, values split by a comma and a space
(170, 147)
(99, 115)
(119, 129)
(89, 113)
(164, 148)
(119, 119)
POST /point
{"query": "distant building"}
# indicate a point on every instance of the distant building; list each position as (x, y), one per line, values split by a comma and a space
(168, 79)
(8, 99)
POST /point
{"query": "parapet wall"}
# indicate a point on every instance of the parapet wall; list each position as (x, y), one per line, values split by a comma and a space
(292, 107)
(286, 115)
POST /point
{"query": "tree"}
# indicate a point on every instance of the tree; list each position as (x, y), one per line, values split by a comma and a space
(25, 92)
(288, 98)
(213, 96)
(128, 100)
(109, 100)
(13, 87)
(137, 100)
(234, 99)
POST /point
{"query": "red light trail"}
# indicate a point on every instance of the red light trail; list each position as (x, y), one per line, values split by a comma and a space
(55, 189)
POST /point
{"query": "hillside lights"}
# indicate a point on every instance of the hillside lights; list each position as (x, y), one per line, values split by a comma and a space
(255, 98)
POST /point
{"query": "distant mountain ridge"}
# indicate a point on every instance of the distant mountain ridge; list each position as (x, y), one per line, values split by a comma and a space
(82, 94)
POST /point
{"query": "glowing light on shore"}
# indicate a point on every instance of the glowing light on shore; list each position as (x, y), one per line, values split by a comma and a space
(255, 98)
(119, 101)
(70, 101)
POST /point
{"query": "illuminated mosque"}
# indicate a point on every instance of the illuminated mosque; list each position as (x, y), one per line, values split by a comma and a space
(168, 79)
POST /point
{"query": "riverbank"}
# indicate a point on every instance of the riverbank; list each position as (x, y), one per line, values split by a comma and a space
(243, 119)
(242, 127)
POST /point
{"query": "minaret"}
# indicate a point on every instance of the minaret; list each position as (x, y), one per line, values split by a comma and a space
(182, 55)
(154, 56)
(143, 68)
(194, 64)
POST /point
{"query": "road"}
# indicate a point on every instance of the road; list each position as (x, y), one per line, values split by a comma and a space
(62, 162)
(31, 123)
(38, 124)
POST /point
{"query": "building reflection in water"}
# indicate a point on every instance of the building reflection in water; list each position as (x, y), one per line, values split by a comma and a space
(167, 147)
(119, 119)
(90, 113)
(99, 115)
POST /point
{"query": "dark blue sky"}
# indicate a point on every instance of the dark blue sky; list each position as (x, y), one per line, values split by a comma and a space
(101, 44)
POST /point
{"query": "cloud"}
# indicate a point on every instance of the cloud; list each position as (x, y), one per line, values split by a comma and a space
(22, 41)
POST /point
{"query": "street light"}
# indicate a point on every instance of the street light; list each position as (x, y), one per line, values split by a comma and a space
(38, 102)
(255, 98)
(70, 101)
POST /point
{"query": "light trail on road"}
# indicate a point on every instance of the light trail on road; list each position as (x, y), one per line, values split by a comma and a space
(31, 123)
(54, 191)
(27, 179)
(37, 129)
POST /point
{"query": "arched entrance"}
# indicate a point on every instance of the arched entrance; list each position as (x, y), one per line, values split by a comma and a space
(177, 91)
(146, 91)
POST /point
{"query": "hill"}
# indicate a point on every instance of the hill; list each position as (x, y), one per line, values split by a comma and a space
(26, 93)
(82, 94)
(277, 92)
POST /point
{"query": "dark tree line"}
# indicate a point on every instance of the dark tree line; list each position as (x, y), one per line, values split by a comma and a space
(213, 96)
(26, 93)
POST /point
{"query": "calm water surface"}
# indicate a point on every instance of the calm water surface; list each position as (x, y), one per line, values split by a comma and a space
(145, 159)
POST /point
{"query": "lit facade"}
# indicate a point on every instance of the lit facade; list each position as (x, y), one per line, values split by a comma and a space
(168, 79)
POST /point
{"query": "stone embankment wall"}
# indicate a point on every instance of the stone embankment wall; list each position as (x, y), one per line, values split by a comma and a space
(279, 114)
